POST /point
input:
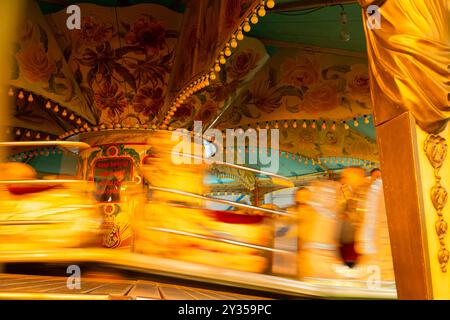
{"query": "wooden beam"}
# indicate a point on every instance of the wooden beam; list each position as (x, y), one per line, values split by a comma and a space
(405, 208)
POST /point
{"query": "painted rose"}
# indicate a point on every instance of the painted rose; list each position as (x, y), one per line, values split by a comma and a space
(222, 92)
(93, 32)
(148, 101)
(110, 98)
(265, 97)
(36, 64)
(241, 63)
(148, 33)
(307, 136)
(320, 97)
(358, 87)
(330, 138)
(300, 72)
(207, 112)
(186, 110)
(27, 30)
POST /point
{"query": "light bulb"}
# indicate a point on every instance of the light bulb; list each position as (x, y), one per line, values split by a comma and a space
(227, 51)
(240, 35)
(222, 60)
(254, 19)
(247, 27)
(233, 42)
(294, 125)
(30, 98)
(10, 92)
(212, 76)
(344, 35)
(48, 105)
(270, 4)
(262, 11)
(21, 95)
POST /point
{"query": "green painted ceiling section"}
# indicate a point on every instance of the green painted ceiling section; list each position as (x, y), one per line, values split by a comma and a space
(319, 27)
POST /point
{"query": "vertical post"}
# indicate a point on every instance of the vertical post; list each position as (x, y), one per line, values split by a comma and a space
(10, 16)
(404, 201)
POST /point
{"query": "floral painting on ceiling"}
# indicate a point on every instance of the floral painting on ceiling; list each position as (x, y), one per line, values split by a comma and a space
(297, 84)
(38, 66)
(122, 61)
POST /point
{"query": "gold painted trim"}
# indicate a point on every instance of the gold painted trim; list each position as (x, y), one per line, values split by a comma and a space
(435, 148)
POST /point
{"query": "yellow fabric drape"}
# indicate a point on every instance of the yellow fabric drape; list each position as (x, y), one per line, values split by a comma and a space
(409, 58)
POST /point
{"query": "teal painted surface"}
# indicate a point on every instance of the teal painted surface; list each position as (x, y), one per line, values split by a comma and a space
(319, 28)
(51, 164)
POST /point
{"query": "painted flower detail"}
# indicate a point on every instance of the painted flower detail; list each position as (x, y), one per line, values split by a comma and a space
(222, 92)
(27, 30)
(300, 72)
(147, 32)
(36, 64)
(154, 71)
(110, 98)
(207, 112)
(93, 32)
(186, 110)
(320, 97)
(358, 86)
(101, 62)
(330, 138)
(148, 101)
(265, 96)
(241, 63)
(307, 136)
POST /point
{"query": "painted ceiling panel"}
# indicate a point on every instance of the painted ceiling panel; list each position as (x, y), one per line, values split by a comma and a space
(39, 65)
(121, 58)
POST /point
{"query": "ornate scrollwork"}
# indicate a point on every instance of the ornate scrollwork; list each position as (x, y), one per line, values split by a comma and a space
(435, 148)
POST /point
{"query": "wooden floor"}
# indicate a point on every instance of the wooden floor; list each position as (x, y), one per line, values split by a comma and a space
(46, 287)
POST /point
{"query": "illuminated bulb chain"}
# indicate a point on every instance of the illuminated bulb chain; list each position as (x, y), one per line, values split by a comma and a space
(204, 81)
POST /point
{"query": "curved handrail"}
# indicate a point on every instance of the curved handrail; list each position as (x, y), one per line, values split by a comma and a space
(217, 239)
(222, 201)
